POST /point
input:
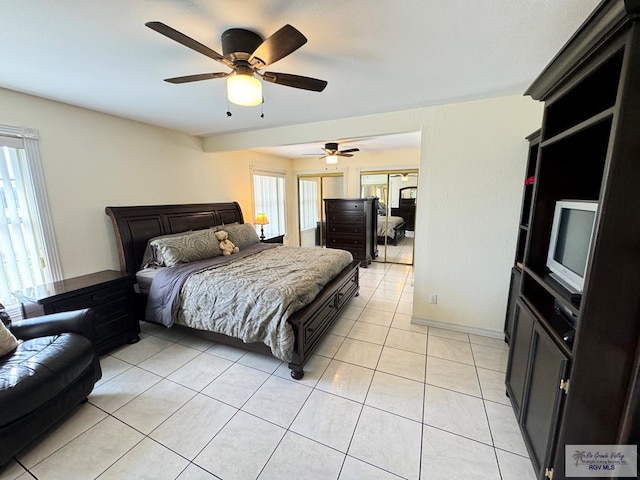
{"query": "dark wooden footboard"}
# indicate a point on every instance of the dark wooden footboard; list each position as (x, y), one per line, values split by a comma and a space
(311, 323)
(399, 233)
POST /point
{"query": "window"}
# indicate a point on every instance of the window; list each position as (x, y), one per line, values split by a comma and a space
(309, 202)
(27, 244)
(268, 197)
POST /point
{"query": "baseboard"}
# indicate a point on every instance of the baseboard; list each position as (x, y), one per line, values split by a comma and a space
(457, 327)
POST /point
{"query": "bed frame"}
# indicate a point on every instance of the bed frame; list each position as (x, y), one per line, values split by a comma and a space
(134, 226)
(398, 234)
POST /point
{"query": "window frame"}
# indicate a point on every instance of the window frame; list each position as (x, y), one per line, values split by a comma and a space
(32, 173)
(280, 221)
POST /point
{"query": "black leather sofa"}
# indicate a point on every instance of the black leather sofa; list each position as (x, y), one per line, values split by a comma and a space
(52, 371)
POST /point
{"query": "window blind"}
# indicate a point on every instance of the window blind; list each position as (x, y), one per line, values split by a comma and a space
(269, 198)
(27, 247)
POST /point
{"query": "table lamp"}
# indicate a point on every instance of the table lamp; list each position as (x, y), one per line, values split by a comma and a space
(261, 220)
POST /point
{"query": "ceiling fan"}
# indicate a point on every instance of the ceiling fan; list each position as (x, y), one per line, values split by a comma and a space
(246, 53)
(332, 152)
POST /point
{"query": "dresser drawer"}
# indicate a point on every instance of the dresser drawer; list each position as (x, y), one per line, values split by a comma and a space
(340, 241)
(345, 217)
(345, 206)
(349, 229)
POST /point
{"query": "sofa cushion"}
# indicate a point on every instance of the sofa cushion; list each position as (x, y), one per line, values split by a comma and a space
(7, 341)
(4, 316)
(38, 370)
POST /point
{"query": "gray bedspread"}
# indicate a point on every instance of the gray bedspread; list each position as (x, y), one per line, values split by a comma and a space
(387, 225)
(249, 295)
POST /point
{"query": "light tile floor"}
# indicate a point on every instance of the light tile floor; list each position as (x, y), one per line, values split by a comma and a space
(381, 399)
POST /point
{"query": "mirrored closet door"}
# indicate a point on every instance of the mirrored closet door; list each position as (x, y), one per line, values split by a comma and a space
(398, 194)
(312, 190)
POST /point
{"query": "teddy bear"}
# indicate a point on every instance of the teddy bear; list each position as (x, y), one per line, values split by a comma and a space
(226, 245)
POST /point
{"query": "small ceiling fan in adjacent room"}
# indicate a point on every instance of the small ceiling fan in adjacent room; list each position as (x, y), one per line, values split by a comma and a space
(246, 53)
(332, 152)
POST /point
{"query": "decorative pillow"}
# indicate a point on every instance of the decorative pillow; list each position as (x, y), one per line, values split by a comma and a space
(4, 316)
(242, 234)
(8, 342)
(151, 256)
(187, 248)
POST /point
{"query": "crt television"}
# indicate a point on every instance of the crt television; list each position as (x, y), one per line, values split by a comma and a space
(571, 238)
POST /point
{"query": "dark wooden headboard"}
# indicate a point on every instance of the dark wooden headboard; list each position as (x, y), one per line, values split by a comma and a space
(134, 226)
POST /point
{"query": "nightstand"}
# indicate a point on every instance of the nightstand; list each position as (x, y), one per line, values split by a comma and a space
(278, 239)
(109, 293)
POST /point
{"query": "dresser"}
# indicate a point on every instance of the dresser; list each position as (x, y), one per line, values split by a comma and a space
(109, 293)
(351, 224)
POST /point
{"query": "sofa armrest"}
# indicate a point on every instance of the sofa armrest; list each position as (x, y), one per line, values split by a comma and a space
(78, 321)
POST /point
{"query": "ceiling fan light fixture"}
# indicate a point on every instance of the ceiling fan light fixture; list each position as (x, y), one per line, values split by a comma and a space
(331, 159)
(243, 89)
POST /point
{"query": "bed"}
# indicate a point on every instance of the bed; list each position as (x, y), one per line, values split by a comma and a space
(134, 226)
(391, 227)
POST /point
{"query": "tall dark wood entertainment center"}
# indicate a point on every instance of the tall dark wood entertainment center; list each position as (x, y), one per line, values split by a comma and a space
(584, 392)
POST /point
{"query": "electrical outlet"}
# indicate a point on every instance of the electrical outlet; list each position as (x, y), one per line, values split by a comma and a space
(433, 298)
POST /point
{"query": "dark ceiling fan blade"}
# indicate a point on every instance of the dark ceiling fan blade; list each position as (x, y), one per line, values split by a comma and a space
(196, 78)
(189, 42)
(282, 43)
(349, 150)
(295, 81)
(341, 154)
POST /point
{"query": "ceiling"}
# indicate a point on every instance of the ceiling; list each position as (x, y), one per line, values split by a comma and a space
(377, 56)
(378, 143)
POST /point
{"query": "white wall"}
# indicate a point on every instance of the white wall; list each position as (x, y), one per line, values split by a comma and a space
(471, 164)
(92, 160)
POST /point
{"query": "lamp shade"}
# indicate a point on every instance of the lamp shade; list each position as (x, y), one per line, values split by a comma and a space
(261, 219)
(331, 159)
(244, 90)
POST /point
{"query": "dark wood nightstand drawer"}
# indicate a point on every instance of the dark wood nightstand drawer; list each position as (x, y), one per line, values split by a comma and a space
(111, 319)
(93, 298)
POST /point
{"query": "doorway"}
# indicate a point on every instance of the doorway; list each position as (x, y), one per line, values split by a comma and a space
(397, 191)
(312, 190)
